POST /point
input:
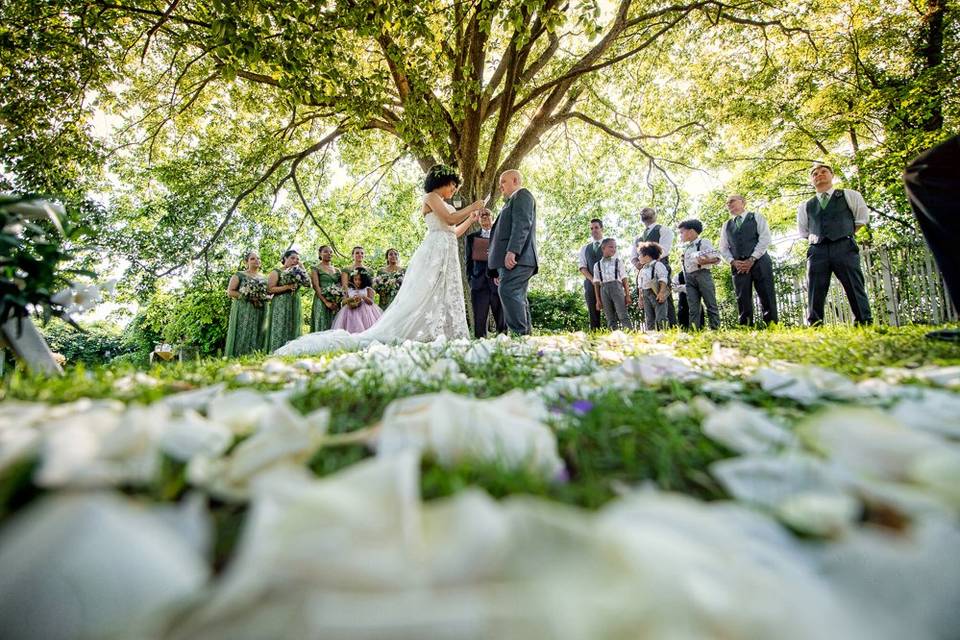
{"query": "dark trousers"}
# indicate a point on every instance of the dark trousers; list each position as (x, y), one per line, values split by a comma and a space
(760, 277)
(840, 258)
(700, 287)
(683, 312)
(486, 300)
(671, 309)
(933, 186)
(513, 298)
(591, 298)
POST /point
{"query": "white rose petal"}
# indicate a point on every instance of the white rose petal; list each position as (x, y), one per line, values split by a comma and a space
(284, 438)
(933, 410)
(804, 384)
(868, 442)
(657, 368)
(746, 429)
(239, 410)
(770, 480)
(818, 514)
(508, 430)
(91, 566)
(191, 435)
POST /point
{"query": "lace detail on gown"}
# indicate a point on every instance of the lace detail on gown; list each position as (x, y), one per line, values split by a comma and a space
(428, 305)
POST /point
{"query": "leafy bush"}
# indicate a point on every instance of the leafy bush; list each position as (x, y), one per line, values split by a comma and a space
(98, 343)
(193, 317)
(138, 341)
(558, 311)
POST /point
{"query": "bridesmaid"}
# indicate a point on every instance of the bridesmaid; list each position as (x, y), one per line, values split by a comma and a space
(245, 333)
(356, 266)
(393, 266)
(284, 318)
(321, 276)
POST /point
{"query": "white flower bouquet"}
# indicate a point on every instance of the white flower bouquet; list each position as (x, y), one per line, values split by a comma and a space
(387, 283)
(254, 291)
(295, 276)
(334, 293)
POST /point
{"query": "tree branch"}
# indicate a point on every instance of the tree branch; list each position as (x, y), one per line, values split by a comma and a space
(166, 16)
(295, 157)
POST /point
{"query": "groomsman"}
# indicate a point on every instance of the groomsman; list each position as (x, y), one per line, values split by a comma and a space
(590, 255)
(744, 239)
(484, 296)
(829, 220)
(663, 236)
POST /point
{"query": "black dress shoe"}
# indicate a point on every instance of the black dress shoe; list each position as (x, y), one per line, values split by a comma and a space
(949, 335)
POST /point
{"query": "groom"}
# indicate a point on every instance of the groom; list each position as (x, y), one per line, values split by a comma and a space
(513, 250)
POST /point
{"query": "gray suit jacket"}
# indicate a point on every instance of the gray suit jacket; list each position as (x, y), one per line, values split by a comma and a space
(515, 230)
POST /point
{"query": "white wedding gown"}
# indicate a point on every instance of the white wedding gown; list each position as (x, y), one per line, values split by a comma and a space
(428, 305)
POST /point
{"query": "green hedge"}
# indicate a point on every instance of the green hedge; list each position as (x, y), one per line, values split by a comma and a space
(558, 311)
(98, 344)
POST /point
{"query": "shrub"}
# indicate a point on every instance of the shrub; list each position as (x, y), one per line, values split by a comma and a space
(558, 311)
(97, 344)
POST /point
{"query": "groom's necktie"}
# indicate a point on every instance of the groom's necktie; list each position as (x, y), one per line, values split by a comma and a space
(737, 222)
(824, 198)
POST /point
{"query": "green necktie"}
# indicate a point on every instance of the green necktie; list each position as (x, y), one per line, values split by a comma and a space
(737, 222)
(824, 197)
(596, 246)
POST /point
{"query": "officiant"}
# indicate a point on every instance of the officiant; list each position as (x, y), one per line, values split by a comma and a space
(484, 296)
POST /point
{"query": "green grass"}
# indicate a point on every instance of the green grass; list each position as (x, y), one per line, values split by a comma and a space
(610, 440)
(857, 352)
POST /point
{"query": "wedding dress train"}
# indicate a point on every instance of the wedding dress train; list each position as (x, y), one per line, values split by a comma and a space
(428, 305)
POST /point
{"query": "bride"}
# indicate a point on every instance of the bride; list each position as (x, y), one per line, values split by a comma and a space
(429, 303)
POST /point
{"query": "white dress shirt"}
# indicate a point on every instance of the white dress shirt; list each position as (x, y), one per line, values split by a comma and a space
(861, 214)
(612, 269)
(763, 242)
(583, 253)
(651, 274)
(699, 247)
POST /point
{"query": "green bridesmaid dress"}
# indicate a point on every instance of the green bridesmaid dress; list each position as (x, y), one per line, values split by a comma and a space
(385, 299)
(284, 320)
(245, 331)
(321, 318)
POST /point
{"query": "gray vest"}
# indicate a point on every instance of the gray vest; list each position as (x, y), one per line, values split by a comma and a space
(832, 223)
(593, 256)
(653, 235)
(743, 241)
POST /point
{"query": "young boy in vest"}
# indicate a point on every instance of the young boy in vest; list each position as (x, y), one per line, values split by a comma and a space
(698, 256)
(611, 287)
(653, 285)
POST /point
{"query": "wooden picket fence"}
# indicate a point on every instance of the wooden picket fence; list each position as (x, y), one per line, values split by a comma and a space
(903, 283)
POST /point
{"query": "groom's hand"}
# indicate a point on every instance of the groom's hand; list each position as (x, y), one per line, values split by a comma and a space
(510, 261)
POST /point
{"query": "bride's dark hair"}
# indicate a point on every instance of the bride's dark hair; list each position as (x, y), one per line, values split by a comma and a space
(438, 176)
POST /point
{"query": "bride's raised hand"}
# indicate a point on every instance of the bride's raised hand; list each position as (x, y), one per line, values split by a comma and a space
(478, 205)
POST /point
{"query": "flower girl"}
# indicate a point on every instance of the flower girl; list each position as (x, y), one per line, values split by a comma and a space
(359, 313)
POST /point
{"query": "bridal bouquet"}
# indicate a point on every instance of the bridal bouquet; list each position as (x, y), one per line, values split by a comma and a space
(296, 276)
(387, 283)
(254, 291)
(333, 292)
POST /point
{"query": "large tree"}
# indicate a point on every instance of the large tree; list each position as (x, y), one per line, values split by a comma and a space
(474, 84)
